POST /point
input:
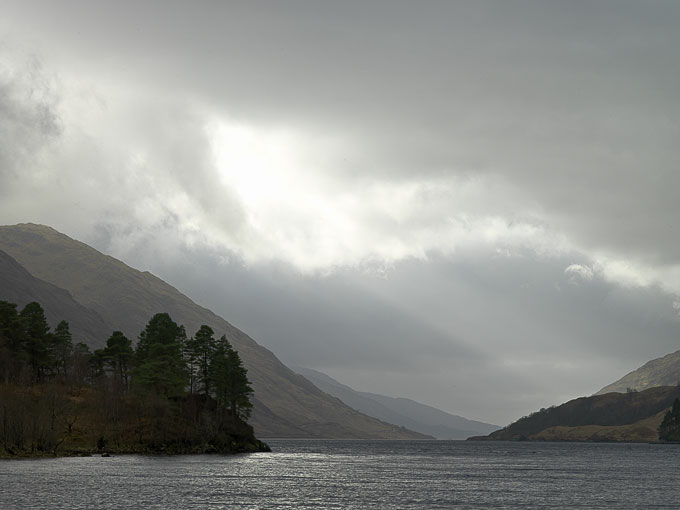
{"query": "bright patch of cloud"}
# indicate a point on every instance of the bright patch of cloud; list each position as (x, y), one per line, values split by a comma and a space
(302, 208)
(140, 165)
(579, 272)
(632, 273)
(676, 307)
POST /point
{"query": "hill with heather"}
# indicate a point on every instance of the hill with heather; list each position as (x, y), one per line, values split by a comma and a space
(97, 293)
(629, 417)
(664, 371)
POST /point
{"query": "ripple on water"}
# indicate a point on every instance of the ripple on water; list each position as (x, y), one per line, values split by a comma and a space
(357, 475)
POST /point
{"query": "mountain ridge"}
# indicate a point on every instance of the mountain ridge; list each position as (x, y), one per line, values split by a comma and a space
(400, 411)
(632, 417)
(21, 288)
(285, 403)
(663, 371)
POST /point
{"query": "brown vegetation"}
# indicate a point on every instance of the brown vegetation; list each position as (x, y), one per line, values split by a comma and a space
(633, 417)
(57, 398)
(61, 419)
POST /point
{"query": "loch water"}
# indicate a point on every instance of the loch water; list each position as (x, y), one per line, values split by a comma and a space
(310, 474)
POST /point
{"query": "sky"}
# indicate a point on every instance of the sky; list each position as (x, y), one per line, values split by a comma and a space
(471, 204)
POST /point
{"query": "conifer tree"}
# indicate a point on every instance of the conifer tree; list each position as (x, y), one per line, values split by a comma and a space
(230, 382)
(12, 356)
(669, 430)
(60, 348)
(35, 340)
(118, 356)
(97, 366)
(159, 366)
(9, 324)
(200, 350)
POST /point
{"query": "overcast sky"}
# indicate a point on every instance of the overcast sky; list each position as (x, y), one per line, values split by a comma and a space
(473, 204)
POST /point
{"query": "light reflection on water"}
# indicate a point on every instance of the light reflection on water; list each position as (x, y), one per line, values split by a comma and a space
(358, 475)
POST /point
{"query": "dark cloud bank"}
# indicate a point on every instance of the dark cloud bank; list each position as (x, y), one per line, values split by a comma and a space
(473, 204)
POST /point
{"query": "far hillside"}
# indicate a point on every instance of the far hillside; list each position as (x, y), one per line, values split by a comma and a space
(630, 417)
(97, 294)
(664, 371)
(400, 411)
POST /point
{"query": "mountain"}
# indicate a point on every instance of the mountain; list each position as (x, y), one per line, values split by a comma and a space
(20, 287)
(664, 371)
(400, 411)
(632, 417)
(285, 403)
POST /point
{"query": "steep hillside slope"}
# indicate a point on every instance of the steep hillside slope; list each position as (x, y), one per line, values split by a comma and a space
(286, 404)
(18, 286)
(664, 371)
(632, 416)
(400, 411)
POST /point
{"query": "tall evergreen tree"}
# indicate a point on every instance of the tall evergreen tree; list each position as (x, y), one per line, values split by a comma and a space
(118, 356)
(12, 355)
(159, 366)
(230, 382)
(9, 323)
(200, 350)
(97, 367)
(669, 430)
(60, 348)
(35, 339)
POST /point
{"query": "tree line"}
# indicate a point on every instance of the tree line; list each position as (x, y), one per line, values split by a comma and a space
(169, 389)
(669, 429)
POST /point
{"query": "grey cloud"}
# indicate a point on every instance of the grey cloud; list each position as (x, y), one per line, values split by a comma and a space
(515, 87)
(156, 155)
(560, 116)
(29, 119)
(574, 107)
(513, 333)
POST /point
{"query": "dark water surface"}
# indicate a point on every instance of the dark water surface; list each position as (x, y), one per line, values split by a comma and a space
(359, 475)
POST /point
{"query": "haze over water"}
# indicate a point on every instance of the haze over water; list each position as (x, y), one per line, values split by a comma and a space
(301, 474)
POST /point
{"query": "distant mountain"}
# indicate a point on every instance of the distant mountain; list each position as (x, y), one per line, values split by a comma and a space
(400, 411)
(663, 371)
(20, 287)
(76, 282)
(632, 417)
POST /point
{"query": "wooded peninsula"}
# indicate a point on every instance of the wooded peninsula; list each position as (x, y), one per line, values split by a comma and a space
(169, 394)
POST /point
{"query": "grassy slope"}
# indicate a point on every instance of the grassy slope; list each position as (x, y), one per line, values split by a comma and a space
(286, 404)
(643, 431)
(20, 287)
(610, 417)
(664, 371)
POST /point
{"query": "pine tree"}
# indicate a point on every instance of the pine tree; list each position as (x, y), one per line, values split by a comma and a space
(97, 367)
(200, 350)
(230, 382)
(669, 430)
(35, 339)
(118, 356)
(9, 325)
(159, 366)
(60, 348)
(12, 356)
